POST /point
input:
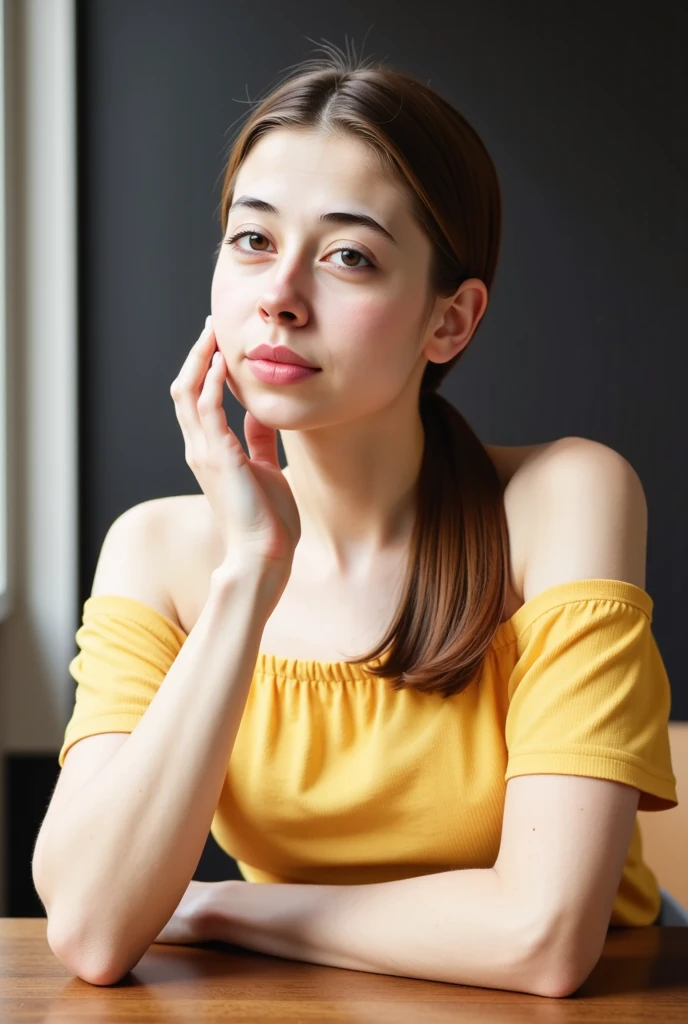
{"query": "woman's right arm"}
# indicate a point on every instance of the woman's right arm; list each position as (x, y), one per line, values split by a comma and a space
(117, 859)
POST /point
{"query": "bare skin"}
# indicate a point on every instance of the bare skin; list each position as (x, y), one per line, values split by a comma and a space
(322, 616)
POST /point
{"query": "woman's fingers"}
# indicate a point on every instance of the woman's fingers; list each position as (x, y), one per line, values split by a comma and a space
(186, 387)
(211, 413)
(195, 366)
(261, 441)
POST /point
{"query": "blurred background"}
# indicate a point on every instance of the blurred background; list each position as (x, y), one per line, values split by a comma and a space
(117, 118)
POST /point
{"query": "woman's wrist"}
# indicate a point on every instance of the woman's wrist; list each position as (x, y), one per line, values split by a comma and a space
(263, 582)
(213, 915)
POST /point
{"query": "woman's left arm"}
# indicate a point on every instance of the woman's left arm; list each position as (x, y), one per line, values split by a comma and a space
(451, 926)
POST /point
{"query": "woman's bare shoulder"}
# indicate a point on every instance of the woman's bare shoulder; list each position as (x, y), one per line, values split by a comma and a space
(510, 460)
(194, 551)
(194, 544)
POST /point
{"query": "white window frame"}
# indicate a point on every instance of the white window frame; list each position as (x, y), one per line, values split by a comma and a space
(5, 602)
(38, 322)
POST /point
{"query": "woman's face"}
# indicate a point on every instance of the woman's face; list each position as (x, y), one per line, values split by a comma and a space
(356, 315)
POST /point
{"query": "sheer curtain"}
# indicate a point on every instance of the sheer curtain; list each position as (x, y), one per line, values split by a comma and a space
(4, 497)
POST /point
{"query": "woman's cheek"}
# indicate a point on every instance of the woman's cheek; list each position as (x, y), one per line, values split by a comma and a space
(216, 282)
(222, 294)
(369, 317)
(233, 313)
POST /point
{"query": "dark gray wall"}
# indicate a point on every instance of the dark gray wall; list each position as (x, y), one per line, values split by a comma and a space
(582, 106)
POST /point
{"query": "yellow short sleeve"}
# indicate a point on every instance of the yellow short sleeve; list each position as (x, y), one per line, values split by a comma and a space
(589, 693)
(126, 650)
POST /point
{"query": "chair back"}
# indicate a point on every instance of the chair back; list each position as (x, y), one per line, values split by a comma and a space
(664, 834)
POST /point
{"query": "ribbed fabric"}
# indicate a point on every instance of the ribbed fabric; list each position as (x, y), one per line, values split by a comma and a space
(336, 779)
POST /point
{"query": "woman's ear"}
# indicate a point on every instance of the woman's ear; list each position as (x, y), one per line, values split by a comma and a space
(453, 323)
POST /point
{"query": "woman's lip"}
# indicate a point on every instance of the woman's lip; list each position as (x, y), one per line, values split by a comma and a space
(280, 373)
(279, 355)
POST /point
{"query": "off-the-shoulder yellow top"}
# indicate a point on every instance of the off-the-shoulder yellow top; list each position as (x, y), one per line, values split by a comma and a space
(335, 778)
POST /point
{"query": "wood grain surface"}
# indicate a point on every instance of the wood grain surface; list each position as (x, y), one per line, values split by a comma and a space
(642, 976)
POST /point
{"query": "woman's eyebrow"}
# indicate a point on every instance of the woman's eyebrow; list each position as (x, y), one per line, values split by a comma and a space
(331, 218)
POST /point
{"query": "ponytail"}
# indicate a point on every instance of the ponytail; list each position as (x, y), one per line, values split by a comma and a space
(456, 584)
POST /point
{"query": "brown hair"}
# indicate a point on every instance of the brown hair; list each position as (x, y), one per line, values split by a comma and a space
(456, 585)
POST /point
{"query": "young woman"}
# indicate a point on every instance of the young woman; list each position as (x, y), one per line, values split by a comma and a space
(410, 679)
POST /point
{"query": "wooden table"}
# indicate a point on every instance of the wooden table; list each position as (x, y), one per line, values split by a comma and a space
(641, 977)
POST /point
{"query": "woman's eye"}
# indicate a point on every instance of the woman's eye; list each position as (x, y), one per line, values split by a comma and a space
(348, 250)
(351, 252)
(242, 234)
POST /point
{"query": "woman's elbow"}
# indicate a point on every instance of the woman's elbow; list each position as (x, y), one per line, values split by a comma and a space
(80, 957)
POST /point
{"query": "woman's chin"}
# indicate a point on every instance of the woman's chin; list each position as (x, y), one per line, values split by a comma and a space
(276, 419)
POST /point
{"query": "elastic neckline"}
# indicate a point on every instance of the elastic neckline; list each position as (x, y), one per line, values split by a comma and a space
(271, 664)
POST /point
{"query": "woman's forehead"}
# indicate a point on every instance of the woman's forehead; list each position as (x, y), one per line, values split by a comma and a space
(332, 169)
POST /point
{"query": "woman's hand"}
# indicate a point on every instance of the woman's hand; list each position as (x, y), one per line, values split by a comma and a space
(253, 504)
(193, 919)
